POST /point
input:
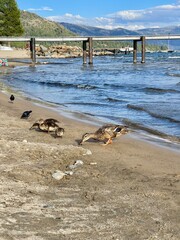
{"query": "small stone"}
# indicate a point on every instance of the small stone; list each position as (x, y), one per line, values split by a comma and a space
(78, 162)
(58, 175)
(3, 204)
(72, 167)
(25, 141)
(88, 152)
(93, 163)
(69, 173)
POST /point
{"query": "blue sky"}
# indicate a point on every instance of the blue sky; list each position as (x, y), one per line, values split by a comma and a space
(129, 14)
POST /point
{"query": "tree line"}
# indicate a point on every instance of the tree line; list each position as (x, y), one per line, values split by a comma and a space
(10, 23)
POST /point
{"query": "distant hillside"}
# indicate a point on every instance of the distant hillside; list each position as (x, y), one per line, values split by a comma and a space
(35, 25)
(83, 30)
(174, 30)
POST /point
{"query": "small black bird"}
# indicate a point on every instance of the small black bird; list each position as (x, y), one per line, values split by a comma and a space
(26, 114)
(12, 98)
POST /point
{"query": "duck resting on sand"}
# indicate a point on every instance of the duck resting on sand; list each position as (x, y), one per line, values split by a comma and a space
(48, 125)
(106, 133)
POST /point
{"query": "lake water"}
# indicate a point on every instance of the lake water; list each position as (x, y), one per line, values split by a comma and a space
(145, 97)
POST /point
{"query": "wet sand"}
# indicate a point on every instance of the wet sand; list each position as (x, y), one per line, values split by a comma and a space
(126, 190)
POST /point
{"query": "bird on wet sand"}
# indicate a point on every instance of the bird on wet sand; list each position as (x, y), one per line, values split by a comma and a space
(105, 133)
(26, 114)
(12, 98)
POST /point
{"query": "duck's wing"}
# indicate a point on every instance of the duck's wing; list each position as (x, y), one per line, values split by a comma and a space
(110, 129)
(50, 120)
(105, 130)
(51, 124)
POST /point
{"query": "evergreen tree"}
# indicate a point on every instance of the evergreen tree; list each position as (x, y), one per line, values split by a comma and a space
(10, 24)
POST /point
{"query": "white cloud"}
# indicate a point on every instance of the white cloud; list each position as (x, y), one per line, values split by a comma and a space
(40, 9)
(166, 7)
(127, 15)
(68, 17)
(159, 16)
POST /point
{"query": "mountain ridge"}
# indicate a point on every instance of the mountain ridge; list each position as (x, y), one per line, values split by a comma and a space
(34, 25)
(77, 28)
(84, 30)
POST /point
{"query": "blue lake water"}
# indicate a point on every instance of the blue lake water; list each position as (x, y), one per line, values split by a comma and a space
(145, 97)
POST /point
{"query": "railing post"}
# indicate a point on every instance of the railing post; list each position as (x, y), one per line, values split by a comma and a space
(33, 50)
(134, 51)
(90, 40)
(143, 49)
(84, 52)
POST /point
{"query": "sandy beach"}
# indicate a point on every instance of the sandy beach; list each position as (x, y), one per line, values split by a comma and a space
(128, 190)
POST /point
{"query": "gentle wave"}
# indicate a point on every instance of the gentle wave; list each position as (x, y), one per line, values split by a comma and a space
(156, 115)
(114, 100)
(58, 84)
(174, 57)
(140, 126)
(87, 104)
(85, 86)
(111, 85)
(160, 90)
(173, 74)
(67, 85)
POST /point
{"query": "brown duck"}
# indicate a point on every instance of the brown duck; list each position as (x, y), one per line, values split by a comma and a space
(48, 125)
(106, 133)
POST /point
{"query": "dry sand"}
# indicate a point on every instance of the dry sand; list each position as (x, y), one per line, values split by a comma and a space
(128, 190)
(16, 53)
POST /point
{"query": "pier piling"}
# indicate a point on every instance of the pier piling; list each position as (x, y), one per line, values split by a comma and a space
(134, 51)
(33, 50)
(143, 49)
(90, 41)
(84, 52)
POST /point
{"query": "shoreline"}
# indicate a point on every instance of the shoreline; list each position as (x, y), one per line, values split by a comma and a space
(147, 133)
(138, 133)
(82, 117)
(49, 111)
(126, 190)
(91, 120)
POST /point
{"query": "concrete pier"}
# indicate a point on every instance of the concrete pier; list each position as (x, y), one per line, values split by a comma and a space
(89, 41)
